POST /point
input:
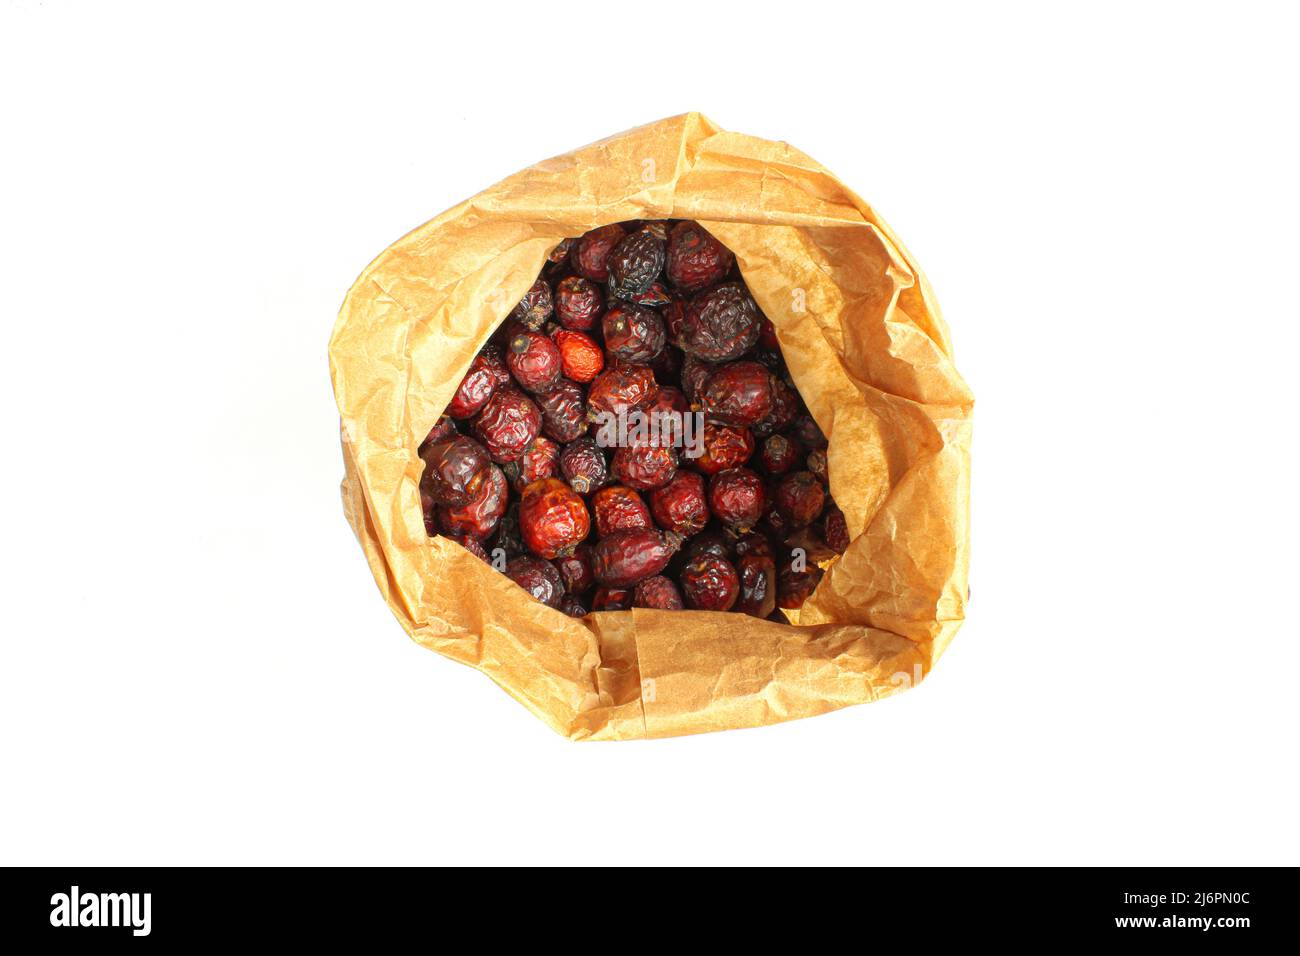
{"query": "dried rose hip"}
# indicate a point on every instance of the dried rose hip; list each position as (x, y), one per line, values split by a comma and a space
(779, 455)
(564, 416)
(535, 307)
(719, 325)
(657, 296)
(800, 498)
(794, 587)
(757, 575)
(645, 466)
(479, 517)
(583, 465)
(617, 391)
(612, 599)
(737, 394)
(754, 543)
(578, 303)
(507, 424)
(657, 592)
(817, 464)
(507, 539)
(667, 364)
(694, 372)
(681, 505)
(669, 400)
(619, 508)
(442, 429)
(561, 252)
(539, 578)
(453, 470)
(590, 253)
(534, 361)
(486, 373)
(710, 542)
(473, 545)
(575, 569)
(695, 259)
(635, 263)
(625, 557)
(553, 518)
(572, 605)
(710, 583)
(835, 530)
(736, 498)
(633, 333)
(539, 460)
(725, 447)
(785, 406)
(807, 431)
(580, 357)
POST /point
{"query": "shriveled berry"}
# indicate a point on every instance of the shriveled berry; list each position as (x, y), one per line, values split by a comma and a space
(454, 469)
(619, 508)
(725, 446)
(580, 356)
(657, 592)
(583, 465)
(553, 518)
(835, 530)
(538, 577)
(625, 557)
(719, 325)
(633, 333)
(561, 252)
(668, 400)
(710, 583)
(486, 374)
(682, 504)
(612, 599)
(507, 424)
(737, 394)
(590, 254)
(539, 460)
(694, 372)
(816, 463)
(575, 569)
(657, 296)
(473, 545)
(779, 455)
(534, 361)
(805, 428)
(793, 587)
(800, 497)
(617, 391)
(710, 542)
(757, 575)
(442, 429)
(645, 466)
(534, 308)
(785, 406)
(737, 499)
(572, 605)
(696, 260)
(479, 517)
(564, 414)
(578, 303)
(634, 264)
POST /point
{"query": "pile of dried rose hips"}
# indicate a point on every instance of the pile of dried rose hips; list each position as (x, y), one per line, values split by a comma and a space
(652, 318)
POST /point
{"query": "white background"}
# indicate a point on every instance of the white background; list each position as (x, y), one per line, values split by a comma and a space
(197, 666)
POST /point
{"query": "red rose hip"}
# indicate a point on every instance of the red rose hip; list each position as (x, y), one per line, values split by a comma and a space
(710, 583)
(486, 374)
(681, 505)
(626, 557)
(619, 508)
(800, 497)
(578, 303)
(619, 390)
(695, 260)
(539, 460)
(580, 357)
(657, 592)
(534, 361)
(508, 424)
(479, 517)
(725, 446)
(583, 465)
(737, 394)
(564, 414)
(633, 333)
(453, 470)
(720, 325)
(645, 466)
(553, 518)
(736, 498)
(590, 254)
(534, 308)
(757, 575)
(539, 578)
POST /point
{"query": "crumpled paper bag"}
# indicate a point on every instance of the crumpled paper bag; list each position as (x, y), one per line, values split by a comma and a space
(868, 350)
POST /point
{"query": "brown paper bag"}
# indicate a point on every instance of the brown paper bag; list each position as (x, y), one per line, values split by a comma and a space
(868, 350)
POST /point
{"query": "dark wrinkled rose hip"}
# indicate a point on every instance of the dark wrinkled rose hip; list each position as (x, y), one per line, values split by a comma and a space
(657, 592)
(809, 434)
(583, 465)
(710, 583)
(633, 333)
(617, 391)
(785, 406)
(719, 325)
(682, 504)
(793, 587)
(737, 394)
(757, 575)
(534, 361)
(694, 372)
(800, 497)
(572, 605)
(442, 429)
(479, 517)
(817, 464)
(535, 307)
(634, 264)
(725, 446)
(657, 295)
(553, 518)
(779, 455)
(486, 374)
(473, 546)
(695, 259)
(539, 460)
(590, 254)
(453, 470)
(578, 303)
(619, 508)
(507, 424)
(564, 414)
(612, 599)
(575, 570)
(538, 577)
(710, 542)
(736, 498)
(835, 530)
(644, 467)
(625, 557)
(580, 357)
